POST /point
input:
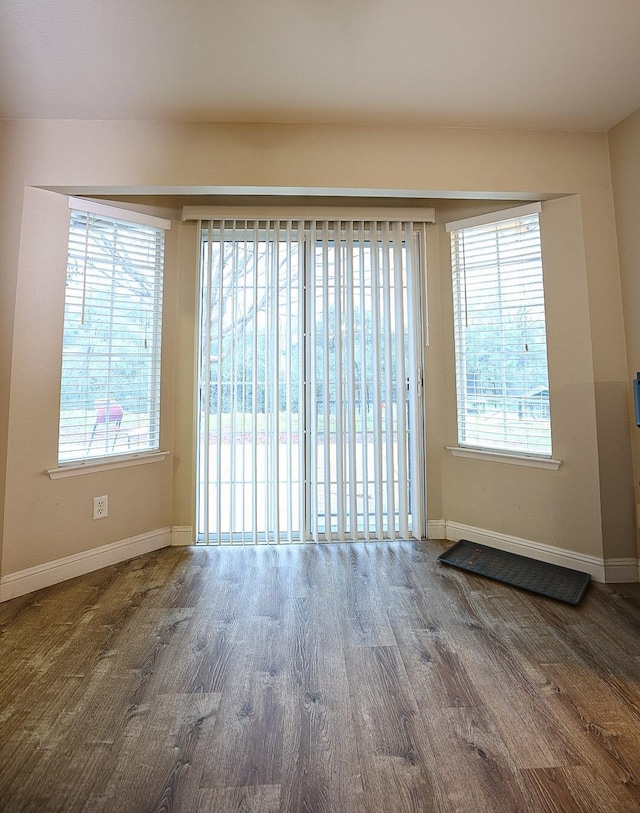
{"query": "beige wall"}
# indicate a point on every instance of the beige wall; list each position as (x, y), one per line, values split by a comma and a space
(586, 506)
(624, 143)
(9, 225)
(186, 378)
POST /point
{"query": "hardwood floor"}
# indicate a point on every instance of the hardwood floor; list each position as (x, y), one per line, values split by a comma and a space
(320, 679)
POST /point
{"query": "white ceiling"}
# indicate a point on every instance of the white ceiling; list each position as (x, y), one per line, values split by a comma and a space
(541, 64)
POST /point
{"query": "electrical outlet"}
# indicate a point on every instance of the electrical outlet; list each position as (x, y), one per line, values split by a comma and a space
(100, 507)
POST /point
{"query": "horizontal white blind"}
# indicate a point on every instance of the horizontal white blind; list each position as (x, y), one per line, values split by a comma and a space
(309, 381)
(500, 336)
(110, 393)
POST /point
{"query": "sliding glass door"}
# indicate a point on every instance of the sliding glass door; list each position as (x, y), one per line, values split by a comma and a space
(310, 419)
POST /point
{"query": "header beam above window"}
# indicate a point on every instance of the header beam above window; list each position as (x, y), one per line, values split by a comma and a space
(494, 217)
(411, 214)
(115, 213)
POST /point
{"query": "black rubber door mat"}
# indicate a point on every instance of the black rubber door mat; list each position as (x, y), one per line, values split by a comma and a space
(553, 581)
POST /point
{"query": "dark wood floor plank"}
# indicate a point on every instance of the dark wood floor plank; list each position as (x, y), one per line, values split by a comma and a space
(92, 721)
(606, 726)
(307, 569)
(514, 695)
(186, 583)
(156, 770)
(475, 770)
(384, 706)
(393, 783)
(388, 728)
(599, 697)
(364, 618)
(604, 647)
(65, 668)
(321, 768)
(251, 799)
(573, 790)
(201, 656)
(513, 615)
(433, 665)
(44, 628)
(247, 741)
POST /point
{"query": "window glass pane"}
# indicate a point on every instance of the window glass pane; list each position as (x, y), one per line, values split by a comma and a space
(110, 393)
(500, 337)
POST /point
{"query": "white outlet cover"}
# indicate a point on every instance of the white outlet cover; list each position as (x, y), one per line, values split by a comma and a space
(100, 507)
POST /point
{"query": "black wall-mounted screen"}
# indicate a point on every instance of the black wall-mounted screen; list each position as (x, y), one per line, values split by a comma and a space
(636, 397)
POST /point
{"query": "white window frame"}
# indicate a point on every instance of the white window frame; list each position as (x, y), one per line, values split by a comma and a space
(309, 284)
(100, 431)
(515, 436)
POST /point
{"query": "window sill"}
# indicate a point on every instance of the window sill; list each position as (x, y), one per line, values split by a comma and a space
(505, 457)
(105, 464)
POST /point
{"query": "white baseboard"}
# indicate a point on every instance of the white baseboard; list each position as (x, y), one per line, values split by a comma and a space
(181, 535)
(601, 570)
(437, 529)
(617, 571)
(59, 570)
(612, 571)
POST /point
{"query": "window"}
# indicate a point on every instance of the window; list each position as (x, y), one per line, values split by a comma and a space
(110, 393)
(500, 335)
(310, 376)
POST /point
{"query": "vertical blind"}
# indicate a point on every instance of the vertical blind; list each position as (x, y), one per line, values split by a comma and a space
(500, 334)
(309, 381)
(110, 388)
